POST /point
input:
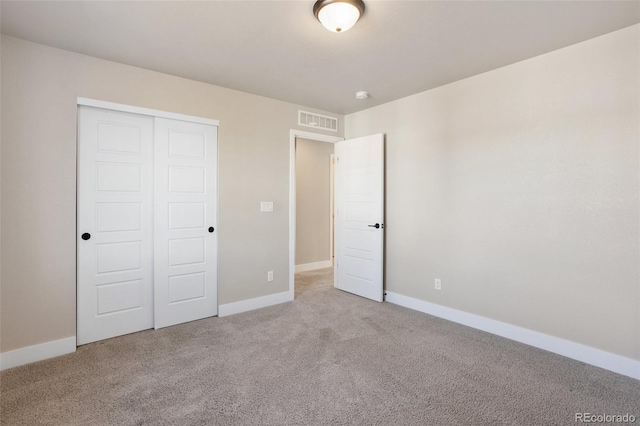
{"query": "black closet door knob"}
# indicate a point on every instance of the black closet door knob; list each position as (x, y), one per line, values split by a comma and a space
(211, 229)
(86, 236)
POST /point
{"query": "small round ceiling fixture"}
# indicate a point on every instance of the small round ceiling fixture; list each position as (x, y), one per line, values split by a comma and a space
(362, 94)
(338, 15)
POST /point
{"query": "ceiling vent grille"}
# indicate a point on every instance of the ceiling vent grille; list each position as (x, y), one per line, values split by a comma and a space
(318, 121)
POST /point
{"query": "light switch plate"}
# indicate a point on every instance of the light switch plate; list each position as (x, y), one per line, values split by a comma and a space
(266, 206)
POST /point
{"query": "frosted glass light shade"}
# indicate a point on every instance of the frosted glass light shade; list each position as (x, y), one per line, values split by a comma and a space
(338, 16)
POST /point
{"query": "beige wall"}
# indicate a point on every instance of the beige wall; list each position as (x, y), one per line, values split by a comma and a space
(0, 201)
(312, 200)
(39, 90)
(519, 189)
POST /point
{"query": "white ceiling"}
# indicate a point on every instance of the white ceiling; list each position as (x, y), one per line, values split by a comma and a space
(278, 49)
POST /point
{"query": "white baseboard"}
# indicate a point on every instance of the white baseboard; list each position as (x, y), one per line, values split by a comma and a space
(313, 266)
(39, 352)
(587, 354)
(251, 304)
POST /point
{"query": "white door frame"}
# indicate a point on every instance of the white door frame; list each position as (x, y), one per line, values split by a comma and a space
(332, 197)
(145, 111)
(293, 134)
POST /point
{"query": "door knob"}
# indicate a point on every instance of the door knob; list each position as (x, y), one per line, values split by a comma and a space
(86, 236)
(377, 225)
(211, 229)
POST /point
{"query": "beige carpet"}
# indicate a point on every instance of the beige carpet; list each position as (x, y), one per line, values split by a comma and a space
(328, 358)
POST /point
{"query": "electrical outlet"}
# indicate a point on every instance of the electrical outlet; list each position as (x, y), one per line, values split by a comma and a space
(270, 276)
(438, 284)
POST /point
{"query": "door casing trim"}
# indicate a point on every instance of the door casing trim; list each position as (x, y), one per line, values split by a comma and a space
(293, 134)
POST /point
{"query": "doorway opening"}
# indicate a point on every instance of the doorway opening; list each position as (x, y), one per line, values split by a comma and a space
(310, 203)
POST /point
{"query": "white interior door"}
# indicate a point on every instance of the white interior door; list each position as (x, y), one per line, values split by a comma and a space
(115, 224)
(359, 224)
(185, 221)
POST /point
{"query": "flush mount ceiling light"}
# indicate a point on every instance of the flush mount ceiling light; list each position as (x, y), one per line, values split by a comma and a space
(338, 15)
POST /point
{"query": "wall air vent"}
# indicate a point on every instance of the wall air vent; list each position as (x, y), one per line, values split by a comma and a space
(323, 122)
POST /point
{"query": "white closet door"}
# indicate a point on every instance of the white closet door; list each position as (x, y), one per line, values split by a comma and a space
(185, 221)
(115, 224)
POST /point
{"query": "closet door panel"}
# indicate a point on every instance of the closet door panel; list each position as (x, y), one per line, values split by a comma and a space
(185, 268)
(115, 224)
